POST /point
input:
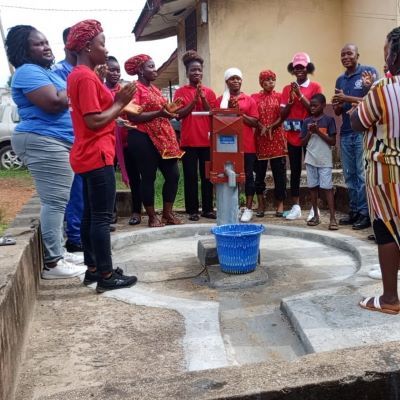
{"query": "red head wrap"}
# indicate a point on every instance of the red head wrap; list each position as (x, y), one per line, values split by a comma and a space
(133, 64)
(264, 75)
(81, 33)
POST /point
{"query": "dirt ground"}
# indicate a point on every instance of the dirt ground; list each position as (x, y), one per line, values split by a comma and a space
(14, 193)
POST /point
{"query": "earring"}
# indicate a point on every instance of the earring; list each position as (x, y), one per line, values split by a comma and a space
(88, 50)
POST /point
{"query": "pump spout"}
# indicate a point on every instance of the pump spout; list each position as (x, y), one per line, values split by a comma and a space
(230, 173)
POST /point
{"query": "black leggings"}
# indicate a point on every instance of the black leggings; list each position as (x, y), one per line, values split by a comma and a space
(278, 167)
(193, 162)
(148, 160)
(249, 166)
(134, 181)
(295, 159)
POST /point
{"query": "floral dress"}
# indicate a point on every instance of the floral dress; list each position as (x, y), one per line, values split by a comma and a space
(159, 129)
(269, 111)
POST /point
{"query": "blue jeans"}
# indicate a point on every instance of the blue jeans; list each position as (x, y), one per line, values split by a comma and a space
(352, 156)
(74, 211)
(98, 199)
(48, 162)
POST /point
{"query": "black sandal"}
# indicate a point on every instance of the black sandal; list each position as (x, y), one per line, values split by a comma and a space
(260, 214)
(135, 220)
(193, 217)
(209, 215)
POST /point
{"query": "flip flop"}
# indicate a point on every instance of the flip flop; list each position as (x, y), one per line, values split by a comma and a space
(135, 220)
(260, 214)
(333, 226)
(377, 306)
(7, 241)
(314, 221)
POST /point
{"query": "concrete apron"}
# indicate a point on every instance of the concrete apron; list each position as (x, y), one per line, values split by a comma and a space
(313, 313)
(320, 298)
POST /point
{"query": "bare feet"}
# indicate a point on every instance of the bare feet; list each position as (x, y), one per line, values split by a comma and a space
(171, 219)
(154, 222)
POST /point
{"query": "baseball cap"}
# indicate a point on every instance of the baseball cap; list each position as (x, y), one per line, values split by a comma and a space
(301, 59)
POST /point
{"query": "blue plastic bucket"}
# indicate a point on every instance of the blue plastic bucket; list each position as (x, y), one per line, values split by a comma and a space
(238, 246)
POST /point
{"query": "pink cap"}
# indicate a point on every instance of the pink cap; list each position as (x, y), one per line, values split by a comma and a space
(301, 59)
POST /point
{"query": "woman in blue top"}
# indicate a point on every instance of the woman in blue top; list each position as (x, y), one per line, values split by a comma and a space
(43, 138)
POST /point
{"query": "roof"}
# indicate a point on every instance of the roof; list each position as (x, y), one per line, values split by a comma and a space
(168, 72)
(159, 18)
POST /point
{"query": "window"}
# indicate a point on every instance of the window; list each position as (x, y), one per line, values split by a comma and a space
(191, 31)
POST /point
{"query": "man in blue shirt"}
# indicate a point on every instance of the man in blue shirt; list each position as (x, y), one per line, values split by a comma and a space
(74, 210)
(350, 90)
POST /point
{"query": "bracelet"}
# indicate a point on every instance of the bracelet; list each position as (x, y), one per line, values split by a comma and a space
(302, 97)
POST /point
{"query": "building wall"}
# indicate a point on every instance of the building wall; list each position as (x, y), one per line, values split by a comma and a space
(367, 23)
(258, 34)
(264, 34)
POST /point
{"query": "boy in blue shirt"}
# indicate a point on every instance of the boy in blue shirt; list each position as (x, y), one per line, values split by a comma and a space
(319, 134)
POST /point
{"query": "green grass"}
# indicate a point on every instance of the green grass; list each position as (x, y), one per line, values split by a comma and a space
(23, 174)
(179, 201)
(15, 173)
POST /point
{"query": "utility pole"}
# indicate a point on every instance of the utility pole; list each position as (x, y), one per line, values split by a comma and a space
(3, 38)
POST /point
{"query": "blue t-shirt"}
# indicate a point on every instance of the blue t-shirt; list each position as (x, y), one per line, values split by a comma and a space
(352, 86)
(63, 69)
(30, 77)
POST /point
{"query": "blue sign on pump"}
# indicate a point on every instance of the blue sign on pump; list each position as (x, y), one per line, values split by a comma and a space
(227, 143)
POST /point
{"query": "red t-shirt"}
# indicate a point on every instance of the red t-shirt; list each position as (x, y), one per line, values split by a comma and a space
(247, 106)
(87, 95)
(298, 111)
(195, 130)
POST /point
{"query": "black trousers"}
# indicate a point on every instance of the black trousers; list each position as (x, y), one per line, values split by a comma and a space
(148, 160)
(134, 182)
(249, 166)
(193, 162)
(278, 167)
(98, 200)
(295, 160)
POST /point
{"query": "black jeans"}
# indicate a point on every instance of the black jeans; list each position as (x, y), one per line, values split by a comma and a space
(278, 167)
(135, 182)
(295, 159)
(148, 160)
(98, 199)
(249, 166)
(193, 161)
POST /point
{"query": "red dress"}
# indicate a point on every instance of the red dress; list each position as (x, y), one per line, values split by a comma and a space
(159, 129)
(269, 105)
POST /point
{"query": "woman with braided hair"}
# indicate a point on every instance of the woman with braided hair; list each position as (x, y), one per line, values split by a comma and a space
(195, 140)
(378, 115)
(93, 111)
(43, 138)
(153, 143)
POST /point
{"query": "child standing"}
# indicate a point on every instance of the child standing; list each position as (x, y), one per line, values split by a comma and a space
(319, 134)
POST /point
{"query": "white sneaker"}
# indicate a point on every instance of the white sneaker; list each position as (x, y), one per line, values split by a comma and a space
(294, 213)
(377, 274)
(311, 214)
(62, 270)
(74, 258)
(247, 215)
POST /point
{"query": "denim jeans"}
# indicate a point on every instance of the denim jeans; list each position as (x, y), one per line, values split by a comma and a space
(352, 156)
(74, 211)
(47, 160)
(98, 199)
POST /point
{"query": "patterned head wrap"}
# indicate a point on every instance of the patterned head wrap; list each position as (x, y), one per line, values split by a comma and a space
(133, 64)
(81, 33)
(267, 74)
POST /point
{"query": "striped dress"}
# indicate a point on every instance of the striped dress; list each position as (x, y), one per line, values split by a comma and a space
(379, 112)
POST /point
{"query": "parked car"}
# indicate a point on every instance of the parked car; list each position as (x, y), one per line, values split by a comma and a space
(8, 120)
